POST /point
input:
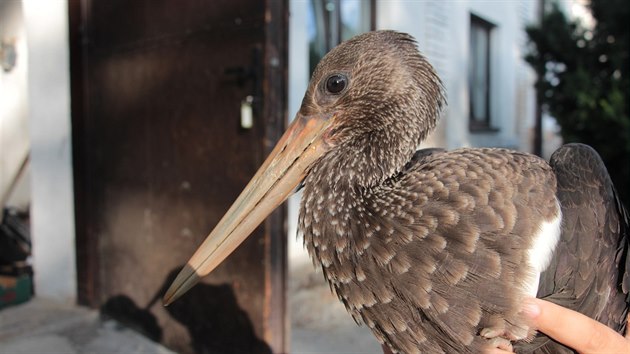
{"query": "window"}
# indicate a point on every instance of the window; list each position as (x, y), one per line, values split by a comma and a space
(479, 73)
(334, 21)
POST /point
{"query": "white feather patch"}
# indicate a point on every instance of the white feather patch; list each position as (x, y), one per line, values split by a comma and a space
(542, 249)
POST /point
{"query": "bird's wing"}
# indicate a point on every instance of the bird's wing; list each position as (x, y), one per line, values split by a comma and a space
(590, 270)
(423, 154)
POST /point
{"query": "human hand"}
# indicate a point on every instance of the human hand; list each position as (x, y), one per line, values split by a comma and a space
(573, 329)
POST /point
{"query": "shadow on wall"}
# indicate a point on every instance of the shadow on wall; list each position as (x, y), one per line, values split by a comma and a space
(210, 313)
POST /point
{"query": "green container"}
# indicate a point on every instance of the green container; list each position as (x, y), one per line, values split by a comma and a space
(15, 289)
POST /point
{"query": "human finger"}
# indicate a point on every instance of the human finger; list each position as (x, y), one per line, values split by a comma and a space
(574, 329)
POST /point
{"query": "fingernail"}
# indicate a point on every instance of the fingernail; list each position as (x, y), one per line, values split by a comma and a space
(530, 308)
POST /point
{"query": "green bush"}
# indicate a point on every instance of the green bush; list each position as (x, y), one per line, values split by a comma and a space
(584, 82)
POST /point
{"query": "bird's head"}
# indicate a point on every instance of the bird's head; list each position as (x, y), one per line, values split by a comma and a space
(381, 98)
(372, 81)
(371, 99)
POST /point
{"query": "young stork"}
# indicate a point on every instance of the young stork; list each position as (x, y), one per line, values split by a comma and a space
(433, 250)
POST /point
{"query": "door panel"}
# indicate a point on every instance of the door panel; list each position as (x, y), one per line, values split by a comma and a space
(160, 155)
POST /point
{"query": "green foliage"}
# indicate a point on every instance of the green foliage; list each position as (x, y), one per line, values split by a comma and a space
(584, 81)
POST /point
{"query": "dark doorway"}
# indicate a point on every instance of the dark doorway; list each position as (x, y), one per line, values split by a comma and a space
(160, 152)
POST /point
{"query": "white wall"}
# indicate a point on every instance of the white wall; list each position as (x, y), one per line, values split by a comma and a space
(298, 82)
(14, 134)
(52, 208)
(442, 30)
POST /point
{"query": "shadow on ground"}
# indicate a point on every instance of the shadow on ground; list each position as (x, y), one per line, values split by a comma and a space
(210, 313)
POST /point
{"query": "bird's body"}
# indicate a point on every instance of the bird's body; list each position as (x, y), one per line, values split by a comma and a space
(434, 250)
(435, 254)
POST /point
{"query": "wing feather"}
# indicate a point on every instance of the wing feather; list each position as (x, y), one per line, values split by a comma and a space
(590, 271)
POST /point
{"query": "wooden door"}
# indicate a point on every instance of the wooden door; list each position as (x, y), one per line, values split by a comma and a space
(160, 154)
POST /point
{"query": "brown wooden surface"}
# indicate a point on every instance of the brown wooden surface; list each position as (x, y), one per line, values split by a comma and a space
(159, 157)
(275, 91)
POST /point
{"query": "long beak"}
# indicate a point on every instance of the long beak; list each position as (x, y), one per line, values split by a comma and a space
(301, 145)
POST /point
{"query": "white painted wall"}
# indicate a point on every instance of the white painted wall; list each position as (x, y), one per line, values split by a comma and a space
(52, 207)
(298, 81)
(442, 31)
(14, 134)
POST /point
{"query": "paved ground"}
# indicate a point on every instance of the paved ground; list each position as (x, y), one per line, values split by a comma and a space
(41, 326)
(319, 323)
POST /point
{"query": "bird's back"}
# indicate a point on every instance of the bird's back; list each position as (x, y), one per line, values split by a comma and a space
(590, 269)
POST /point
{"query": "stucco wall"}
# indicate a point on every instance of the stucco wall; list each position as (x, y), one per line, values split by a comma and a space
(52, 206)
(442, 30)
(14, 134)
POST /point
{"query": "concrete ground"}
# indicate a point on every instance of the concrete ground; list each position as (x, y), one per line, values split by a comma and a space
(43, 326)
(319, 323)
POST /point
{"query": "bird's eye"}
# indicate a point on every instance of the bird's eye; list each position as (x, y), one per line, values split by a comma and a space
(336, 83)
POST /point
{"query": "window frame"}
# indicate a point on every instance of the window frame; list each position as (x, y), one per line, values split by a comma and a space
(330, 26)
(485, 124)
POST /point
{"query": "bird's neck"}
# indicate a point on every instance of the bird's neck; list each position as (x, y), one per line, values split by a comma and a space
(336, 213)
(368, 160)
